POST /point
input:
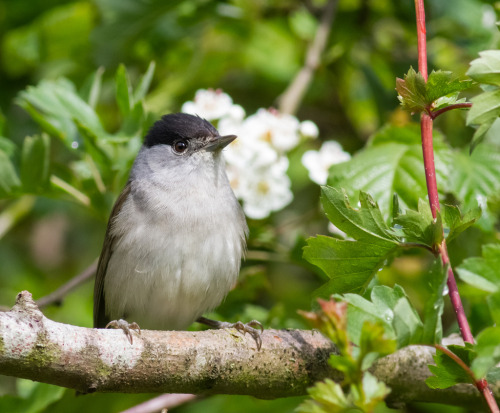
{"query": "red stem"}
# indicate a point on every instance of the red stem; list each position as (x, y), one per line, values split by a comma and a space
(438, 112)
(430, 177)
(482, 384)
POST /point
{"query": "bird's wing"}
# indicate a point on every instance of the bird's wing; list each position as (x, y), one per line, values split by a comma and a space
(100, 318)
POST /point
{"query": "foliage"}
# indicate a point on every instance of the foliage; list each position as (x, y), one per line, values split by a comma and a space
(82, 81)
(353, 360)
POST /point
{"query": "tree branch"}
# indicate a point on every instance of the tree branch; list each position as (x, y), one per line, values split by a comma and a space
(207, 362)
(290, 100)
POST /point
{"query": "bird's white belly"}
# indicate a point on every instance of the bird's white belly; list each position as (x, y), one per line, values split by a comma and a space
(165, 276)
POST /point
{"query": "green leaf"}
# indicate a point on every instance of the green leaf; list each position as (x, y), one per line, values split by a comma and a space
(327, 397)
(493, 302)
(435, 281)
(374, 343)
(392, 308)
(9, 181)
(480, 134)
(350, 265)
(486, 68)
(123, 90)
(39, 397)
(92, 88)
(417, 95)
(392, 164)
(420, 227)
(485, 108)
(412, 91)
(447, 372)
(35, 162)
(363, 224)
(440, 84)
(456, 223)
(374, 392)
(484, 272)
(144, 84)
(55, 105)
(476, 178)
(488, 351)
(7, 146)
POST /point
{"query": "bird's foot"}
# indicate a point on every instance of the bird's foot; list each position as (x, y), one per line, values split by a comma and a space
(126, 327)
(241, 327)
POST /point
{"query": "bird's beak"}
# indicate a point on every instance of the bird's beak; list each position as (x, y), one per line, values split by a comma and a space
(219, 142)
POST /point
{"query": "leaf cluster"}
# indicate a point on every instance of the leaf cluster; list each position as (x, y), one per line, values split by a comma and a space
(98, 160)
(359, 390)
(440, 90)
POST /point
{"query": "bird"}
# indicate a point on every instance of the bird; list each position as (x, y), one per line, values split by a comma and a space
(176, 234)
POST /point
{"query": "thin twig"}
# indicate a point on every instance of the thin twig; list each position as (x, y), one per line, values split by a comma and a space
(290, 100)
(438, 112)
(57, 296)
(164, 401)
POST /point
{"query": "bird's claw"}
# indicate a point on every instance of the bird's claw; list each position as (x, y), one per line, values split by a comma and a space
(126, 327)
(250, 329)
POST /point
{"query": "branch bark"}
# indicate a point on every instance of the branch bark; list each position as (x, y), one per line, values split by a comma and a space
(208, 362)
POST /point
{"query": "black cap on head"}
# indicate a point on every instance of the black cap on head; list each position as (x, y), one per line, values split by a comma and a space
(175, 126)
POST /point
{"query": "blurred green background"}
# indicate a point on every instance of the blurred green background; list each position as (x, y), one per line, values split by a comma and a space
(252, 50)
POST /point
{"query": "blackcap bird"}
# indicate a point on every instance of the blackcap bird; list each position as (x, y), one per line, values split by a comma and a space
(176, 234)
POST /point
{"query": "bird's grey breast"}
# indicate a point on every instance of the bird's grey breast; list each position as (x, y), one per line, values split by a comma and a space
(177, 252)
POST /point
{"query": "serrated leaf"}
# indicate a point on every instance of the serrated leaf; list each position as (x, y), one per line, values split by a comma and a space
(482, 272)
(55, 105)
(327, 396)
(35, 162)
(488, 351)
(123, 90)
(420, 227)
(486, 68)
(485, 108)
(374, 343)
(447, 372)
(412, 91)
(350, 265)
(456, 223)
(416, 95)
(392, 163)
(441, 83)
(9, 181)
(363, 224)
(392, 308)
(475, 178)
(434, 281)
(374, 391)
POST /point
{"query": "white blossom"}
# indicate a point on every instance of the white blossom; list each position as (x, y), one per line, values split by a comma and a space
(209, 104)
(266, 190)
(319, 162)
(256, 162)
(309, 129)
(278, 129)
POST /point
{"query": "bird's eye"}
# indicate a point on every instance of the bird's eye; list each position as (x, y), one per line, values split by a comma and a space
(180, 146)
